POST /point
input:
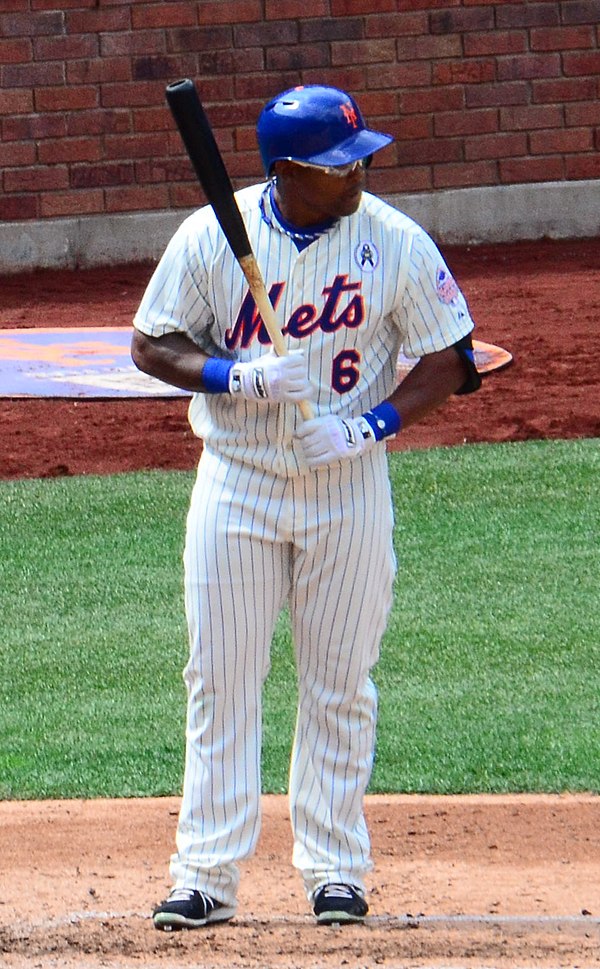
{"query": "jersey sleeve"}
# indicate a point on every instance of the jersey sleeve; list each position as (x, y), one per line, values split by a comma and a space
(435, 311)
(176, 298)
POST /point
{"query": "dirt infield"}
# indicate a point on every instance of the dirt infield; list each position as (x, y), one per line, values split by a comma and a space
(539, 301)
(459, 881)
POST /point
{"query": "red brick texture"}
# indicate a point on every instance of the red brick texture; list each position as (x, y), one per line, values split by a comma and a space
(475, 92)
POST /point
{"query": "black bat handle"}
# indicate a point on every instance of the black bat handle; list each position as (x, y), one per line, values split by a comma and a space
(197, 136)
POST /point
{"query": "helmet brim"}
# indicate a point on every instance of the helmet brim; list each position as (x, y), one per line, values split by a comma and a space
(357, 146)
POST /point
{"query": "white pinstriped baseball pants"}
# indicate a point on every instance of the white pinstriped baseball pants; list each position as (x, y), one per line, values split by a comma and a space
(323, 544)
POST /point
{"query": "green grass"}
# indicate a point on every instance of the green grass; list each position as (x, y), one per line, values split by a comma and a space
(93, 635)
(489, 678)
(490, 674)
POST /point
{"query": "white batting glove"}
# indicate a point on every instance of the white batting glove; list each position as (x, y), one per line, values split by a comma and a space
(328, 439)
(272, 378)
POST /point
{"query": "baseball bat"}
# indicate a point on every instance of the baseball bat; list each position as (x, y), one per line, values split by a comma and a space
(197, 136)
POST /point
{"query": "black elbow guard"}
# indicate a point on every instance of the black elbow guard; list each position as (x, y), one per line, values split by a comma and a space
(464, 348)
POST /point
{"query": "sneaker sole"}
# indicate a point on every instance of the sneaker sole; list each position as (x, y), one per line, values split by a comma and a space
(330, 918)
(167, 922)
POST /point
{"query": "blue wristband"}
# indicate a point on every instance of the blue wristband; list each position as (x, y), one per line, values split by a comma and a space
(384, 420)
(215, 375)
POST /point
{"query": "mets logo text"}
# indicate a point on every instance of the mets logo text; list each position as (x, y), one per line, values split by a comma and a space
(336, 313)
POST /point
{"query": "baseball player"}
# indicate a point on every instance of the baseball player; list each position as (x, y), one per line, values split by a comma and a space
(286, 511)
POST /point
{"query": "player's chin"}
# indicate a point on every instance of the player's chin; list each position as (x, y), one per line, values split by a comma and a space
(349, 202)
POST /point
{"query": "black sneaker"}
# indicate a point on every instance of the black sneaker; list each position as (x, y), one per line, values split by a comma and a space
(186, 908)
(339, 903)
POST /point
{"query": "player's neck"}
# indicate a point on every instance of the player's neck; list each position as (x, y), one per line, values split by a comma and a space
(291, 224)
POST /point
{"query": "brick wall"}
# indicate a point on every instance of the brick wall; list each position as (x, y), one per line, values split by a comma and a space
(475, 92)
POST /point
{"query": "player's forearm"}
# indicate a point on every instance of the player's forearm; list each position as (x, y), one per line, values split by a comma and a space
(428, 385)
(173, 358)
(176, 360)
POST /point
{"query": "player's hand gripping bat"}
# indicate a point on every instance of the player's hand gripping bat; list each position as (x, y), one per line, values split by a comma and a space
(203, 151)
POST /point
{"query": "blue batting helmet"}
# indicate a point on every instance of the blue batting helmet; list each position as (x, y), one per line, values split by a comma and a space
(315, 124)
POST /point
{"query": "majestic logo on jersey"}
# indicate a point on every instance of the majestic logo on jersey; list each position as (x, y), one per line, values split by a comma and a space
(366, 257)
(335, 313)
(445, 286)
(350, 114)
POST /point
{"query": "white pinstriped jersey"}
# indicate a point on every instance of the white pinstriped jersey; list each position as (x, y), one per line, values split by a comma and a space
(371, 285)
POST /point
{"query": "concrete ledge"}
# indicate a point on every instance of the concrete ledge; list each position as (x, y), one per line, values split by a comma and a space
(93, 240)
(508, 213)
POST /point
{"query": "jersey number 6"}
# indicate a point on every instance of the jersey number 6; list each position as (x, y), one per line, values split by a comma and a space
(344, 371)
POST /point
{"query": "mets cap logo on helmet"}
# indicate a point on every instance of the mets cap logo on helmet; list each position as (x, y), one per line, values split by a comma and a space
(315, 124)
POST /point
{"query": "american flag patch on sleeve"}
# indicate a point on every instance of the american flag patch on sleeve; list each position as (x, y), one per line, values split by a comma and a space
(445, 286)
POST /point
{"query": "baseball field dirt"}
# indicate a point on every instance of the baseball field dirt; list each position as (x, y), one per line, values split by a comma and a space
(478, 881)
